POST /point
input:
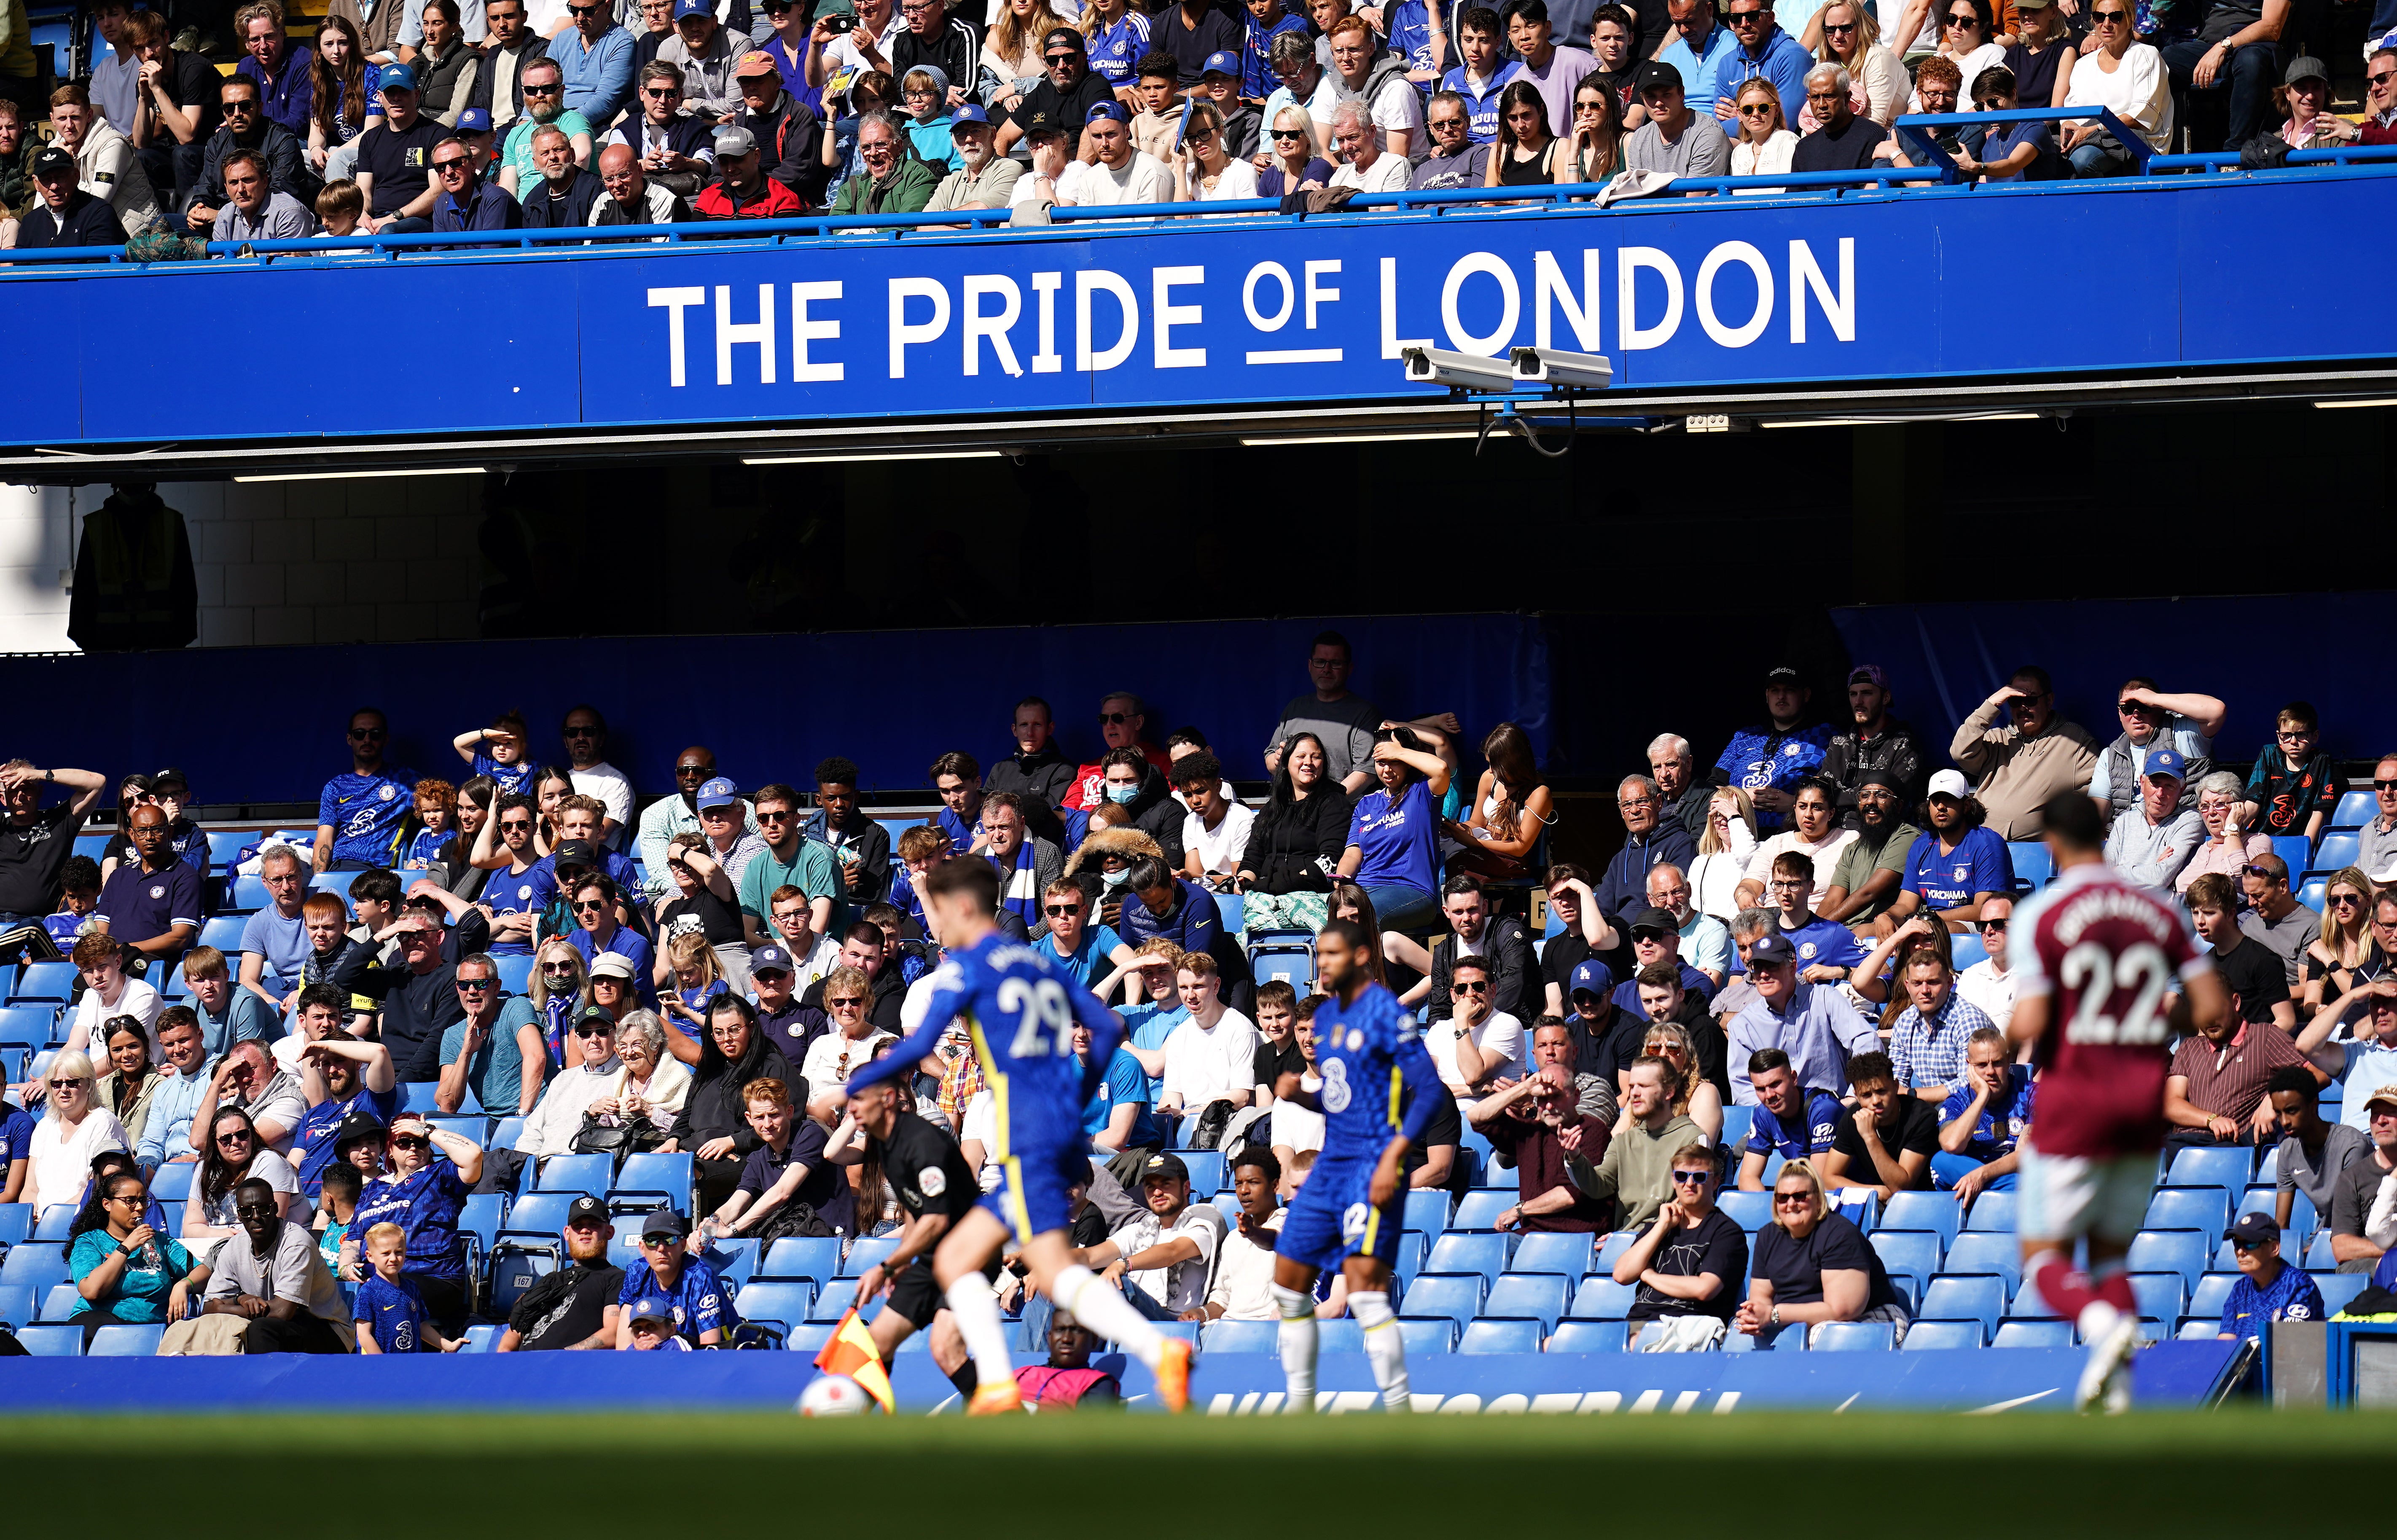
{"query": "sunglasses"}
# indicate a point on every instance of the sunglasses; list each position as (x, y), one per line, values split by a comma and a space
(844, 1002)
(573, 732)
(1793, 1201)
(2347, 901)
(1468, 989)
(236, 1137)
(242, 105)
(1692, 1178)
(1991, 925)
(411, 1141)
(65, 1085)
(2384, 785)
(1738, 17)
(1058, 911)
(458, 163)
(765, 817)
(366, 732)
(1289, 133)
(661, 93)
(1964, 21)
(138, 1199)
(255, 1211)
(693, 772)
(589, 906)
(516, 825)
(588, 1030)
(1838, 26)
(2108, 17)
(1760, 109)
(1117, 718)
(2383, 78)
(479, 986)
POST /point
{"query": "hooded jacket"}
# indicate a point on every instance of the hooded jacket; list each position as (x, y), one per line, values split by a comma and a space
(1156, 814)
(713, 1109)
(1130, 844)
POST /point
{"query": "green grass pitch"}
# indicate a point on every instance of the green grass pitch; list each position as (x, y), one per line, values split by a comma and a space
(1471, 1478)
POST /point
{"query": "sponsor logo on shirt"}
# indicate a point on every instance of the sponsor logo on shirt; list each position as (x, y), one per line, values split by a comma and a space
(935, 1180)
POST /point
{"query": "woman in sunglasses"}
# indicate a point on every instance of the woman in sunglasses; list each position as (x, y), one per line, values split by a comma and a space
(1847, 34)
(234, 1152)
(1813, 1265)
(2115, 71)
(72, 1129)
(847, 1048)
(430, 1173)
(2228, 847)
(561, 987)
(2345, 954)
(1291, 164)
(126, 1273)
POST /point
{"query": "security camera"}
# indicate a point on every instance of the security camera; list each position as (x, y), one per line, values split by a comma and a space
(1456, 370)
(1556, 366)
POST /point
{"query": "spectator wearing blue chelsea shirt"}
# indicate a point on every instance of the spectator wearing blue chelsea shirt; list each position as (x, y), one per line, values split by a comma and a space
(359, 814)
(2268, 1289)
(1983, 1120)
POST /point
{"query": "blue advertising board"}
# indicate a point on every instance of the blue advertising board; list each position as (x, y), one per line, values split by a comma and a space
(1164, 315)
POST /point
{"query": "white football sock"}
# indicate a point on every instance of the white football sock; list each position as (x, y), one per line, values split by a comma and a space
(1385, 1348)
(976, 1311)
(1298, 1337)
(1097, 1305)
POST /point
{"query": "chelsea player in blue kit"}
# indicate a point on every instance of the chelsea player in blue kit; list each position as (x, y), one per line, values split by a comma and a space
(1021, 1011)
(1375, 1097)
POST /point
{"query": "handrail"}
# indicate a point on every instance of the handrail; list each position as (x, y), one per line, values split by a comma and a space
(1943, 170)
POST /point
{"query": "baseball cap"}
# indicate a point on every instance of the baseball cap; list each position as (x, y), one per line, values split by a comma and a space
(1163, 1164)
(692, 7)
(1870, 673)
(611, 965)
(599, 1011)
(734, 141)
(576, 853)
(475, 120)
(1592, 977)
(54, 162)
(2305, 67)
(2386, 1096)
(1653, 74)
(970, 113)
(1948, 782)
(2164, 762)
(1108, 110)
(2253, 1230)
(1061, 38)
(586, 1211)
(649, 1307)
(756, 62)
(1770, 950)
(397, 77)
(1653, 919)
(170, 779)
(1776, 675)
(357, 1126)
(1222, 61)
(769, 958)
(664, 1222)
(719, 792)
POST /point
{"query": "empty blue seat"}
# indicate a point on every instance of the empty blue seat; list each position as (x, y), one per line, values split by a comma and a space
(1500, 1337)
(1568, 1255)
(735, 1260)
(580, 1173)
(1736, 1122)
(44, 981)
(248, 895)
(809, 1339)
(2338, 849)
(1240, 1336)
(1748, 1210)
(482, 1338)
(2319, 1257)
(1992, 1211)
(782, 1300)
(1413, 1244)
(516, 973)
(1427, 1209)
(2030, 1303)
(2205, 1210)
(37, 1267)
(540, 1213)
(1927, 1337)
(51, 1342)
(1539, 1296)
(1424, 1334)
(2199, 1329)
(226, 844)
(1483, 1254)
(865, 1253)
(1292, 962)
(1610, 1251)
(60, 1302)
(1978, 1298)
(2032, 862)
(2226, 1167)
(125, 1341)
(2160, 1295)
(2213, 1291)
(816, 1257)
(1586, 1336)
(2338, 1290)
(1914, 1252)
(1853, 1336)
(338, 884)
(1986, 1252)
(2034, 1333)
(1604, 1299)
(27, 1025)
(2355, 810)
(1966, 948)
(1342, 1336)
(173, 1183)
(1480, 1210)
(56, 1221)
(831, 1304)
(2177, 1252)
(1455, 1295)
(2303, 1220)
(16, 1305)
(1207, 1175)
(223, 933)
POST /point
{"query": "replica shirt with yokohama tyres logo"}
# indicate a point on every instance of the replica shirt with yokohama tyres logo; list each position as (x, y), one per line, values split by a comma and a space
(2110, 953)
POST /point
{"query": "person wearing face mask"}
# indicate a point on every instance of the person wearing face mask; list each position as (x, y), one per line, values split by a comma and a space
(1109, 852)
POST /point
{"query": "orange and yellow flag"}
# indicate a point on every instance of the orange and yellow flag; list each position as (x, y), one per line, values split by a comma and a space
(850, 1351)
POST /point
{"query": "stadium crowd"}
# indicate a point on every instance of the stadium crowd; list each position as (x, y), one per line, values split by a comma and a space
(1765, 987)
(434, 117)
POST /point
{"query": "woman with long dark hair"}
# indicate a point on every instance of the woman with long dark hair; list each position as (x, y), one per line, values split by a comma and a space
(1295, 843)
(1525, 155)
(712, 1125)
(1393, 850)
(126, 1273)
(132, 1078)
(345, 103)
(1512, 808)
(234, 1151)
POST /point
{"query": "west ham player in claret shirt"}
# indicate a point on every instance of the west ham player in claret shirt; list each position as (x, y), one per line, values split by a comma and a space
(1378, 1093)
(1020, 1009)
(2095, 960)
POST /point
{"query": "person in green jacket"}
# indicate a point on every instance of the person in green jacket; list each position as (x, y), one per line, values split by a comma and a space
(894, 180)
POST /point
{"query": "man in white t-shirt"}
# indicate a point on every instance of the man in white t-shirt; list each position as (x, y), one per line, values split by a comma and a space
(586, 739)
(1394, 106)
(1216, 830)
(1478, 1044)
(1212, 1056)
(1164, 1261)
(1123, 174)
(1364, 165)
(1244, 1264)
(1988, 984)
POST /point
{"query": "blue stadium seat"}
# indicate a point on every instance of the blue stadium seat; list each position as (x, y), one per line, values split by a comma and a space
(225, 844)
(2161, 1296)
(1913, 1252)
(27, 1025)
(1500, 1337)
(2303, 1220)
(1480, 1210)
(2032, 863)
(2177, 1252)
(1853, 1336)
(95, 843)
(2205, 1210)
(832, 1304)
(51, 1342)
(1427, 1209)
(1342, 1336)
(1986, 1252)
(125, 1341)
(2198, 1329)
(1736, 1122)
(625, 1252)
(1455, 1295)
(782, 1300)
(2339, 850)
(506, 1133)
(1409, 1260)
(16, 1304)
(1424, 1334)
(37, 1267)
(1207, 1176)
(1965, 947)
(542, 1214)
(2318, 1256)
(481, 1216)
(1749, 1210)
(2338, 1290)
(582, 1174)
(1992, 1211)
(223, 933)
(1586, 1336)
(2029, 1303)
(1928, 1336)
(2226, 1167)
(418, 1096)
(1483, 1254)
(1240, 1336)
(2268, 1170)
(248, 896)
(516, 973)
(338, 884)
(60, 1302)
(475, 1130)
(482, 1338)
(15, 1222)
(2313, 892)
(1604, 1299)
(816, 1257)
(53, 981)
(56, 1221)
(865, 1254)
(1552, 1253)
(2034, 1333)
(1539, 1296)
(1975, 1298)
(2355, 810)
(1291, 962)
(1610, 1251)
(2212, 1292)
(1228, 907)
